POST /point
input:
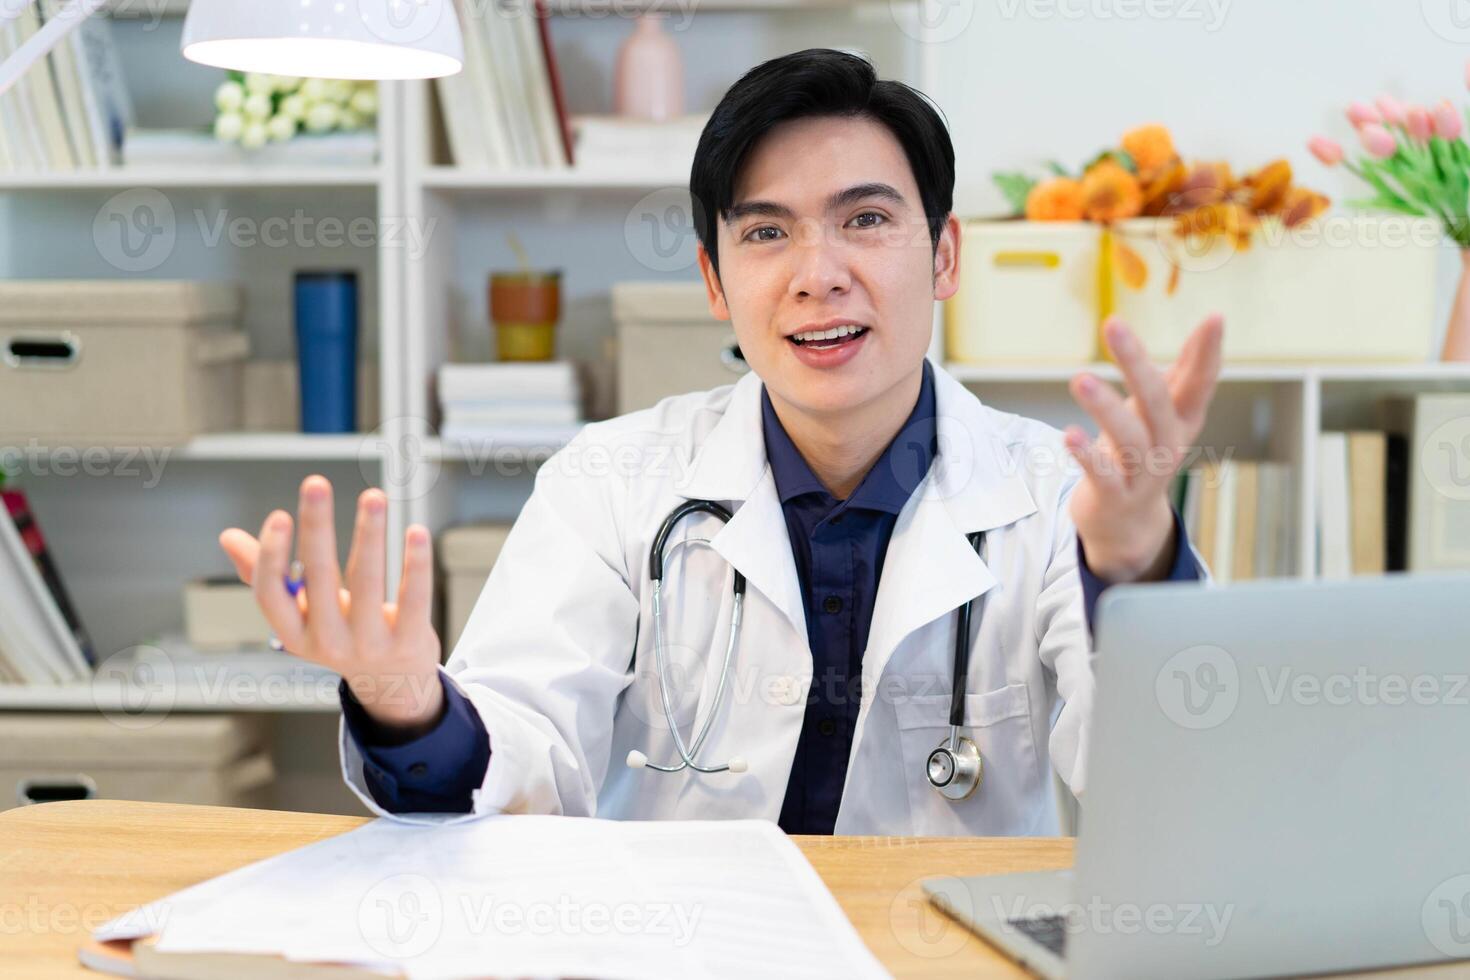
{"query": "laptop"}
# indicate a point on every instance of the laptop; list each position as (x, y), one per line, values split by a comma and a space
(1278, 782)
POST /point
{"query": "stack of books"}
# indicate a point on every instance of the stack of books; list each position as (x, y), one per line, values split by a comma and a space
(505, 110)
(42, 640)
(1241, 516)
(637, 145)
(71, 109)
(1397, 498)
(525, 403)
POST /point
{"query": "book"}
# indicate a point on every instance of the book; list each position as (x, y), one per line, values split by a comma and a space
(200, 148)
(1247, 501)
(558, 95)
(45, 101)
(66, 66)
(545, 380)
(1367, 472)
(1229, 471)
(509, 80)
(1208, 515)
(35, 637)
(1437, 429)
(19, 509)
(1275, 526)
(105, 86)
(471, 120)
(537, 82)
(21, 125)
(1334, 521)
(1396, 503)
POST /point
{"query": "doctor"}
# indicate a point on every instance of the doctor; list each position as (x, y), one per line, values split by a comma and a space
(856, 473)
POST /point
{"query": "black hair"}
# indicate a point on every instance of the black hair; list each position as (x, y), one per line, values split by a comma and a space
(817, 82)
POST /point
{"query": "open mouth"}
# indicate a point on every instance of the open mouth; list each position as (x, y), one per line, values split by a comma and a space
(828, 339)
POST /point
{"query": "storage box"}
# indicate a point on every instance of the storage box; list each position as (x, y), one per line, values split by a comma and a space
(217, 760)
(1348, 288)
(102, 362)
(668, 343)
(222, 614)
(467, 554)
(1028, 294)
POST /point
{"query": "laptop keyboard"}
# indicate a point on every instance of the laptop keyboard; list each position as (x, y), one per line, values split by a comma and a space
(1048, 930)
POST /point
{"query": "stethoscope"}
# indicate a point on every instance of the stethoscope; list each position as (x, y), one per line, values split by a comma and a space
(953, 769)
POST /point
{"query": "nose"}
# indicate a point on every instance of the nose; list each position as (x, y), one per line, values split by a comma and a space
(821, 270)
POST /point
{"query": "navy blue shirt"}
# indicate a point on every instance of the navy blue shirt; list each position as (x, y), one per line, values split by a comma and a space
(838, 547)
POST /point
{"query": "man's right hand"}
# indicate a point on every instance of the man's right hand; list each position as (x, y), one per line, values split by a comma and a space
(387, 652)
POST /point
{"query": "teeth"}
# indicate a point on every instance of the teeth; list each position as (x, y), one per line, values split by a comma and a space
(833, 334)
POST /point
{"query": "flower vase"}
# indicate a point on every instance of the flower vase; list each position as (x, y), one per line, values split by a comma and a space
(648, 80)
(1457, 332)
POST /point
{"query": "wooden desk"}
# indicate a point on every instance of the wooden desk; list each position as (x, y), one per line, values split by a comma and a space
(65, 868)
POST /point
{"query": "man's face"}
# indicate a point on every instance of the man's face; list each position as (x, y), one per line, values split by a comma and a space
(827, 229)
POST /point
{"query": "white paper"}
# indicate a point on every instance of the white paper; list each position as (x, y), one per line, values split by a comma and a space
(527, 896)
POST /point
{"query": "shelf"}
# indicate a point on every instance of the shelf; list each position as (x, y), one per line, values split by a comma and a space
(232, 446)
(460, 179)
(625, 7)
(508, 442)
(239, 178)
(180, 679)
(1061, 374)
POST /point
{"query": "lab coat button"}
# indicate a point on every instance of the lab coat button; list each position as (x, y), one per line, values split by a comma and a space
(785, 690)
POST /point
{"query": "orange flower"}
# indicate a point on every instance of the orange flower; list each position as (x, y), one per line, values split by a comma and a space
(1300, 204)
(1268, 187)
(1151, 147)
(1110, 193)
(1222, 220)
(1058, 199)
(1162, 191)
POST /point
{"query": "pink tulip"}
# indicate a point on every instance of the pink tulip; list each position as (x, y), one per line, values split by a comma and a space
(1329, 151)
(1378, 141)
(1467, 74)
(1418, 123)
(1447, 121)
(1360, 114)
(1393, 111)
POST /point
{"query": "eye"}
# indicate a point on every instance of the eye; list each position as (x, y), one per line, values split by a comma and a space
(877, 219)
(754, 233)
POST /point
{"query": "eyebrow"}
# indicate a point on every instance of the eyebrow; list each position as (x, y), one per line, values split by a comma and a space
(837, 201)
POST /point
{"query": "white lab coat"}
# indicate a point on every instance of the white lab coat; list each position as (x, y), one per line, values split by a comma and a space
(558, 658)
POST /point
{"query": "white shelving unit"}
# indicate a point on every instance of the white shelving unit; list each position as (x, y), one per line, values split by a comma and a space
(126, 545)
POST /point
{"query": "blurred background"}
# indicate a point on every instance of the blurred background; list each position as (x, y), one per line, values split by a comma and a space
(213, 285)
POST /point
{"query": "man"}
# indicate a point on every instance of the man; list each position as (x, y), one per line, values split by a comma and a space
(822, 200)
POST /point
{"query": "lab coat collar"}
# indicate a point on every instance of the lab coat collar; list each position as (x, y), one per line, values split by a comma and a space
(975, 484)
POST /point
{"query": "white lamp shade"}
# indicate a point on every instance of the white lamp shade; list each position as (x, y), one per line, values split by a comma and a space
(357, 39)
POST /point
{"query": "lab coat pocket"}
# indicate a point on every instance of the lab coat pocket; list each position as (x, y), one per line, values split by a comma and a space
(1011, 796)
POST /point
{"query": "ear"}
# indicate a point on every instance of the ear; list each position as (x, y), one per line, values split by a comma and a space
(947, 259)
(718, 308)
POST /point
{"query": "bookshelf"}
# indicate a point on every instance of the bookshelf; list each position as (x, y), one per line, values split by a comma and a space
(126, 546)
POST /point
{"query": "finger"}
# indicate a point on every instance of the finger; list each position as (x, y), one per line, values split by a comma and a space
(243, 551)
(1145, 382)
(317, 548)
(278, 605)
(1111, 414)
(1199, 369)
(366, 565)
(1093, 461)
(416, 584)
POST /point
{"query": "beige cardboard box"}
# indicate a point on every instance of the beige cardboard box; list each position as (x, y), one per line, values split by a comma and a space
(467, 554)
(130, 362)
(222, 614)
(218, 760)
(668, 343)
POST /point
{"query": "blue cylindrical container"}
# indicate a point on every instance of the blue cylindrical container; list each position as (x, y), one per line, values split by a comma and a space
(326, 349)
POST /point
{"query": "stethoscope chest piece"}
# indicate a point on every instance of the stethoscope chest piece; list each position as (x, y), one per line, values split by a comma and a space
(954, 768)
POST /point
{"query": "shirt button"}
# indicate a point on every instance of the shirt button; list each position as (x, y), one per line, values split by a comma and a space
(417, 769)
(827, 727)
(832, 604)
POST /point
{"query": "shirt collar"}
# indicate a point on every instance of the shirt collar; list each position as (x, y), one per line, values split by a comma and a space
(891, 481)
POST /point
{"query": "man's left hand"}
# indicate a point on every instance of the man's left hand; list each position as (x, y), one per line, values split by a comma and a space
(1121, 505)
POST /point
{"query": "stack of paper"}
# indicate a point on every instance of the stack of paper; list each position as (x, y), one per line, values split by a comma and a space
(525, 896)
(616, 143)
(520, 402)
